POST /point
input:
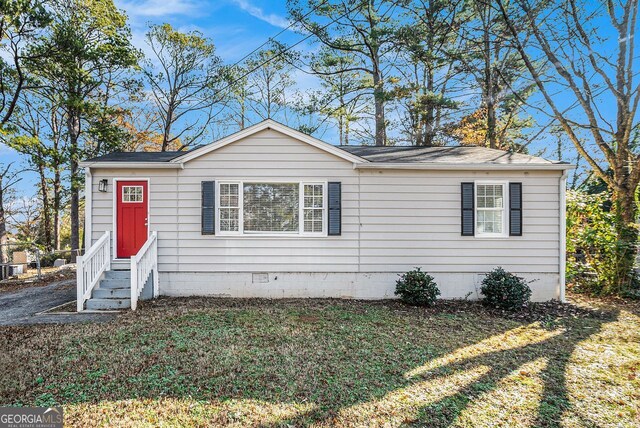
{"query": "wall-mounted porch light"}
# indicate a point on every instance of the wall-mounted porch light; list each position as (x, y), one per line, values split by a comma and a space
(102, 185)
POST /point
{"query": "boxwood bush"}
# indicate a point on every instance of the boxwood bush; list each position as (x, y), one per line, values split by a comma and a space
(505, 290)
(417, 288)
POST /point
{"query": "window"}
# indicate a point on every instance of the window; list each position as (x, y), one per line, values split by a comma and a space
(271, 208)
(132, 194)
(490, 209)
(229, 207)
(313, 208)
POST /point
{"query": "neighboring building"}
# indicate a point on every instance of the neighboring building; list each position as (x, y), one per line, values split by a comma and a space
(272, 212)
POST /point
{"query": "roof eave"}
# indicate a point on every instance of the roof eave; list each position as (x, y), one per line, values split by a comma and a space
(465, 166)
(132, 165)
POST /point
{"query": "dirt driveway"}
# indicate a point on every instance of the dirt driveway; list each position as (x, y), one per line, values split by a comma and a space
(23, 306)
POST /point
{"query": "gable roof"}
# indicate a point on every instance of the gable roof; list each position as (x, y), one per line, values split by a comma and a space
(362, 157)
(269, 124)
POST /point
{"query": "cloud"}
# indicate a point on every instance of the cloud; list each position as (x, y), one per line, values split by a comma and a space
(255, 11)
(158, 8)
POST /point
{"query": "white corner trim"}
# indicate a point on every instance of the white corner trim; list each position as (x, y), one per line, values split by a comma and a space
(132, 165)
(269, 124)
(562, 265)
(465, 166)
(88, 208)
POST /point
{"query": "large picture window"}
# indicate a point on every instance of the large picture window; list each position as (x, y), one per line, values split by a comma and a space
(253, 207)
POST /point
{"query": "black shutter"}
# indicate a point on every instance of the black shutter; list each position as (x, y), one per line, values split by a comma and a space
(335, 208)
(515, 209)
(208, 207)
(467, 214)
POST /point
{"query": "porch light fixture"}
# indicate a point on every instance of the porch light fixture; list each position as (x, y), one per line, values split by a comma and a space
(102, 185)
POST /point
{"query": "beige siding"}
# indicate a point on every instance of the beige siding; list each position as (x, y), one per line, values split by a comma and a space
(392, 220)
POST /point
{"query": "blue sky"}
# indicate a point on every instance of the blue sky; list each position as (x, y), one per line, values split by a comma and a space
(237, 27)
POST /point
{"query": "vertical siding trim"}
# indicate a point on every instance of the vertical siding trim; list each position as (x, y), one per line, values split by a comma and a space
(88, 208)
(563, 235)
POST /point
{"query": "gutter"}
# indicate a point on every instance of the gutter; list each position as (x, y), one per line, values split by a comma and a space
(465, 166)
(133, 165)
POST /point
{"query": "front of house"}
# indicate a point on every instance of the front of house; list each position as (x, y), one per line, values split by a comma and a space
(271, 212)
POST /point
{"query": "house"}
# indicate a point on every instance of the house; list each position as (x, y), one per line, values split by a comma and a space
(272, 212)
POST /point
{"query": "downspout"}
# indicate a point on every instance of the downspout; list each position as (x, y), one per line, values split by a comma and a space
(563, 235)
(88, 207)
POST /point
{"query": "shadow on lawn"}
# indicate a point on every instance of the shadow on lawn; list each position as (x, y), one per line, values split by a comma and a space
(339, 356)
(553, 402)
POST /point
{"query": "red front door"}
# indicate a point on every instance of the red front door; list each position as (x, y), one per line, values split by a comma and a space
(132, 204)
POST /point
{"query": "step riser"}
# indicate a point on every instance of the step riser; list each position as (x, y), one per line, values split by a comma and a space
(108, 304)
(115, 274)
(112, 293)
(115, 283)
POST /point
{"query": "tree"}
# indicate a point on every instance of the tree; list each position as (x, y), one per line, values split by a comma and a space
(495, 65)
(21, 21)
(364, 29)
(269, 80)
(83, 58)
(341, 96)
(8, 179)
(427, 66)
(590, 62)
(184, 77)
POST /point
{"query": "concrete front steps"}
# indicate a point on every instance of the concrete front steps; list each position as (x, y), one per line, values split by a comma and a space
(112, 293)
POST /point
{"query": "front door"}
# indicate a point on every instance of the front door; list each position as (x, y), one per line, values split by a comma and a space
(131, 217)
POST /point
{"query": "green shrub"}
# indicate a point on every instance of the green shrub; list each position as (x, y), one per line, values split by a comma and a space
(598, 262)
(417, 288)
(505, 290)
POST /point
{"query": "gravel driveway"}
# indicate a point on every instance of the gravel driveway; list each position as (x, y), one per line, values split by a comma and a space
(22, 306)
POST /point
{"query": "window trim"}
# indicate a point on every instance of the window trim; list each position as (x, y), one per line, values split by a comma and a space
(505, 211)
(301, 233)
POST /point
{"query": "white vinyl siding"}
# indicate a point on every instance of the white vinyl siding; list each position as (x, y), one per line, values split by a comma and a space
(392, 220)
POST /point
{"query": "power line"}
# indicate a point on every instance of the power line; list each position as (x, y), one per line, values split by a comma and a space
(283, 51)
(272, 38)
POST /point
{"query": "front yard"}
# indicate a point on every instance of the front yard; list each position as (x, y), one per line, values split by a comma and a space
(205, 362)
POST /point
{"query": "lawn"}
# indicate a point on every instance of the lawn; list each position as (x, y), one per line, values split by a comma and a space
(206, 362)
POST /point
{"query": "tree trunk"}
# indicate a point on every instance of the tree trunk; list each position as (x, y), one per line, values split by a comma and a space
(4, 258)
(46, 209)
(73, 127)
(378, 99)
(626, 211)
(57, 202)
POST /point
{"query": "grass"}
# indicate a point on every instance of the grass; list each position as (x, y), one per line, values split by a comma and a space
(206, 362)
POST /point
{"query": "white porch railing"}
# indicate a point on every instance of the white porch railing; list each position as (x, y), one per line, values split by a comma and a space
(144, 264)
(91, 266)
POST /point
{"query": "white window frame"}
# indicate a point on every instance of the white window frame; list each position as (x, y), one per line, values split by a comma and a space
(505, 213)
(301, 233)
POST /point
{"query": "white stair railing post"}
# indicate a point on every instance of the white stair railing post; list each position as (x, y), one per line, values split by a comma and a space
(134, 283)
(155, 267)
(80, 283)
